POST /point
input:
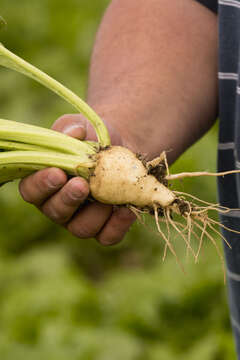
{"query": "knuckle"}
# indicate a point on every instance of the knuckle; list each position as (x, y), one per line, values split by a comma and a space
(74, 194)
(54, 214)
(50, 179)
(41, 183)
(70, 200)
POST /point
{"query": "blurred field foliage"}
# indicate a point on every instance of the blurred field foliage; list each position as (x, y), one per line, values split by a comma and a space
(63, 298)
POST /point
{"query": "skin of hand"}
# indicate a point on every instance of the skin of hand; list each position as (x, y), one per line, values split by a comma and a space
(64, 201)
(153, 79)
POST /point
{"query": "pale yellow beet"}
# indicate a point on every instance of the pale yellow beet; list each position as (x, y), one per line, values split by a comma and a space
(121, 178)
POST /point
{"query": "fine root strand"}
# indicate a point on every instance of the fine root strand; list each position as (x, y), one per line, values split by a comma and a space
(197, 199)
(200, 173)
(166, 239)
(201, 239)
(189, 227)
(215, 245)
(224, 226)
(138, 213)
(168, 235)
(164, 156)
(180, 233)
(219, 233)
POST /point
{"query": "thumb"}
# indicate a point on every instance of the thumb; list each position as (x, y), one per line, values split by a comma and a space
(75, 125)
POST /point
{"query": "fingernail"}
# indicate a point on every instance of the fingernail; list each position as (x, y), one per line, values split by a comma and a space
(69, 128)
(53, 180)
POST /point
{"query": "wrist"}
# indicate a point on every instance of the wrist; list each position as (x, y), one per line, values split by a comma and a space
(125, 129)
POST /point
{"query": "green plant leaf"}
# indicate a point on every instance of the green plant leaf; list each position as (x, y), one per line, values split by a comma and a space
(14, 62)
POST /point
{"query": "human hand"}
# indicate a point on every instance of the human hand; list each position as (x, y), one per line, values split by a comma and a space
(64, 201)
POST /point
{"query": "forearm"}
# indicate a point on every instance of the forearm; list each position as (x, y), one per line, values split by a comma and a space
(154, 73)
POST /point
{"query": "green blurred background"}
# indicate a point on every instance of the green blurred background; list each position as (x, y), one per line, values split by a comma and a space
(65, 298)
